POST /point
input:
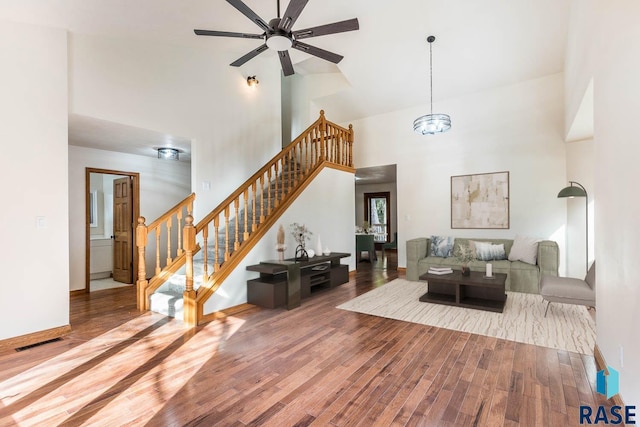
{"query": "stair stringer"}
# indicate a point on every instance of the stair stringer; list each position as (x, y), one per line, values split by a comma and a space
(207, 289)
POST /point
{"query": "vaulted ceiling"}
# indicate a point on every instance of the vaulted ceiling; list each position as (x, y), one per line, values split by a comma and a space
(480, 44)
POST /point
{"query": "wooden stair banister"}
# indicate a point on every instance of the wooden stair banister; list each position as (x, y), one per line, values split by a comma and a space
(270, 190)
(146, 287)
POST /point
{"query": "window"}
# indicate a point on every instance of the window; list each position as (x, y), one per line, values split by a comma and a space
(377, 211)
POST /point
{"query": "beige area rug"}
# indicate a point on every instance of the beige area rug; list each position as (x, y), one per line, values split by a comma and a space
(566, 327)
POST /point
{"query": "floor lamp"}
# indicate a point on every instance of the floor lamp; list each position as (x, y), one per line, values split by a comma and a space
(579, 191)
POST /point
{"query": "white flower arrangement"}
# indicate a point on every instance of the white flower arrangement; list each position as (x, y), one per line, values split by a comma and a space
(300, 233)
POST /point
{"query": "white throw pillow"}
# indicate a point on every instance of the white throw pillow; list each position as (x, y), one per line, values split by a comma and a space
(524, 249)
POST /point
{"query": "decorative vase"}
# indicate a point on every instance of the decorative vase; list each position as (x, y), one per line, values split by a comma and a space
(280, 255)
(319, 246)
(301, 254)
(466, 271)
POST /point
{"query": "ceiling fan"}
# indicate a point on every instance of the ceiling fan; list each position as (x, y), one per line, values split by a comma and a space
(278, 34)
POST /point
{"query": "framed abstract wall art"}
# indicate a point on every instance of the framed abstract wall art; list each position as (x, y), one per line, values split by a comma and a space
(480, 201)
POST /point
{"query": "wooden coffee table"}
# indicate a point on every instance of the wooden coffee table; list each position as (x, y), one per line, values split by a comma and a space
(473, 291)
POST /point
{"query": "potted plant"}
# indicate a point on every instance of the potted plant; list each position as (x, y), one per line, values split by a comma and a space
(301, 234)
(465, 256)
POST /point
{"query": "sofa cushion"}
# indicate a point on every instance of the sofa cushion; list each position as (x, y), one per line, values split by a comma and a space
(524, 249)
(442, 246)
(488, 251)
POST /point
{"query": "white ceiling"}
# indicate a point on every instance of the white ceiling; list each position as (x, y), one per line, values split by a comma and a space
(480, 44)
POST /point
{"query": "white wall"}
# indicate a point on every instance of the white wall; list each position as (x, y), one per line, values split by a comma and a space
(162, 185)
(610, 32)
(517, 128)
(187, 91)
(328, 214)
(304, 90)
(33, 107)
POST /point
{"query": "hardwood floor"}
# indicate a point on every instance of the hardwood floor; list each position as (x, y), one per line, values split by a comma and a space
(315, 365)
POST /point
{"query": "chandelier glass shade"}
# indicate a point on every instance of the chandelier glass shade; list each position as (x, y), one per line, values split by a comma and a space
(431, 123)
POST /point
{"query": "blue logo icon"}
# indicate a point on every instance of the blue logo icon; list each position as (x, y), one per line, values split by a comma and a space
(608, 385)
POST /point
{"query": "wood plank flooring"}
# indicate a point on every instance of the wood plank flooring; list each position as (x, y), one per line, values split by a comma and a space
(315, 365)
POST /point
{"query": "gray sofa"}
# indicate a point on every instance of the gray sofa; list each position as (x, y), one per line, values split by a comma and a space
(521, 277)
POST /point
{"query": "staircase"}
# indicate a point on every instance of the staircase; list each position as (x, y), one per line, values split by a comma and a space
(200, 256)
(168, 298)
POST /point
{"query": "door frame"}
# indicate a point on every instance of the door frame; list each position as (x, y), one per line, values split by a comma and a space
(367, 210)
(135, 183)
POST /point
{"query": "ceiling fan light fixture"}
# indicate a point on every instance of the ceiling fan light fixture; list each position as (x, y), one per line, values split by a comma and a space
(279, 42)
(431, 123)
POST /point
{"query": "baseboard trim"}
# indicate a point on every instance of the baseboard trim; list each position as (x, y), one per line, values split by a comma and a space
(402, 270)
(34, 338)
(217, 315)
(602, 365)
(77, 292)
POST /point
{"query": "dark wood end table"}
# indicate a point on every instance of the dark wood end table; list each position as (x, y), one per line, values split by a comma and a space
(473, 291)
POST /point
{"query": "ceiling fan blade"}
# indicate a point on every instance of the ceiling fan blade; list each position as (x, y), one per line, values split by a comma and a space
(322, 30)
(285, 61)
(246, 11)
(316, 51)
(255, 52)
(291, 14)
(228, 34)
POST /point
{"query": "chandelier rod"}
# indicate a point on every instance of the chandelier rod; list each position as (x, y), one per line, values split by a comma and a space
(431, 39)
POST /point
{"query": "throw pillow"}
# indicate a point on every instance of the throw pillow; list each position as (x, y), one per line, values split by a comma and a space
(487, 251)
(442, 246)
(524, 249)
(468, 249)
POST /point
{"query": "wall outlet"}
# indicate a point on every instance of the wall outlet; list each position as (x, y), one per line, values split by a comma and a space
(621, 357)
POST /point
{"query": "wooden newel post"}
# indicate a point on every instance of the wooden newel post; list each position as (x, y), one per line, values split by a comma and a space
(323, 136)
(350, 142)
(141, 243)
(189, 296)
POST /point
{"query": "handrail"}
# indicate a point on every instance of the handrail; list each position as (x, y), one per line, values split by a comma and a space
(181, 204)
(218, 210)
(237, 224)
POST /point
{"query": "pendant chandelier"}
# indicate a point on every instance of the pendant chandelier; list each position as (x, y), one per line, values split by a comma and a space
(430, 124)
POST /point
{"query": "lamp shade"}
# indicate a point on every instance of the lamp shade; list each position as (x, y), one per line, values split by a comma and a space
(572, 191)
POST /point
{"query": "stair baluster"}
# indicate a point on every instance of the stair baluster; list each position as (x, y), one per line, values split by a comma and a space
(280, 181)
(205, 254)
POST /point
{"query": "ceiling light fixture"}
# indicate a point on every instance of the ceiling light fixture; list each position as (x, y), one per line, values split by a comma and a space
(430, 124)
(168, 153)
(252, 81)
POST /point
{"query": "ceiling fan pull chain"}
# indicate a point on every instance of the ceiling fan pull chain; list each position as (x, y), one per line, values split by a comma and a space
(278, 8)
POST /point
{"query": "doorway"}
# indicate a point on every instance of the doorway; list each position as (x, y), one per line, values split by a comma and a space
(113, 204)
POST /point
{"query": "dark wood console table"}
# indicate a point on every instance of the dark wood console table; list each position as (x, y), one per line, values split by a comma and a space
(285, 283)
(473, 291)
